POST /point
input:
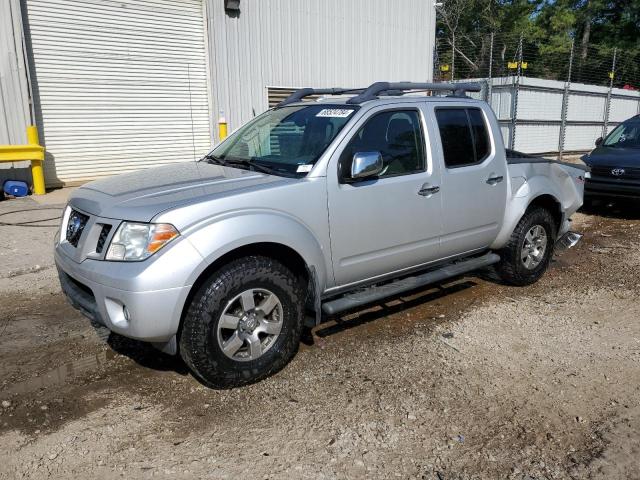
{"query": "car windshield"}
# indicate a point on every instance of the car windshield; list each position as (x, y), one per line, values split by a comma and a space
(286, 140)
(625, 135)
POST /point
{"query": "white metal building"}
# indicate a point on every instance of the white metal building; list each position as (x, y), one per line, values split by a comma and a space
(120, 85)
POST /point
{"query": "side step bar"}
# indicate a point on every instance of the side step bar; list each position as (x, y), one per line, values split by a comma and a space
(378, 292)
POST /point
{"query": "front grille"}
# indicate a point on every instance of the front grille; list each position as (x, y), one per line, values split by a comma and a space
(622, 173)
(75, 225)
(104, 233)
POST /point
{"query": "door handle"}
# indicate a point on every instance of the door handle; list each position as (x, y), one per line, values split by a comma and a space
(426, 191)
(494, 180)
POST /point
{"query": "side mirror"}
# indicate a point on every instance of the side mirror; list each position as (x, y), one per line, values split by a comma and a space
(599, 141)
(366, 164)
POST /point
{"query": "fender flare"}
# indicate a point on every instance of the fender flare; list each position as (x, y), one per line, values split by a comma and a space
(518, 204)
(225, 233)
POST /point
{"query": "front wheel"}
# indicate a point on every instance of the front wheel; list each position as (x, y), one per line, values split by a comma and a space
(244, 323)
(527, 255)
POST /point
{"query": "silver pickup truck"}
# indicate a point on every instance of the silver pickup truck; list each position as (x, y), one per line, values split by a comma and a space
(311, 209)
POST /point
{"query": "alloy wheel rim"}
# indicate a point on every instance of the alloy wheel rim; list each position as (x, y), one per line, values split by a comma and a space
(534, 247)
(250, 324)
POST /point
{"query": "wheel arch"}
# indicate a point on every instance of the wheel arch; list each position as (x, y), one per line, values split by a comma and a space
(551, 204)
(519, 205)
(277, 251)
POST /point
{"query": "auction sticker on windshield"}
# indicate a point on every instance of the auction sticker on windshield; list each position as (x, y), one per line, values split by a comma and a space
(334, 112)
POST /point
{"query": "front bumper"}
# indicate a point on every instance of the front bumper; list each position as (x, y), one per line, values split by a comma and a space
(604, 188)
(125, 297)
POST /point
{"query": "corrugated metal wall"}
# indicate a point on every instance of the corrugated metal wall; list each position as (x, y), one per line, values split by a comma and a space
(301, 43)
(14, 90)
(121, 85)
(14, 93)
(109, 76)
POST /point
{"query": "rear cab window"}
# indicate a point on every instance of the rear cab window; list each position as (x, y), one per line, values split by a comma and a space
(464, 136)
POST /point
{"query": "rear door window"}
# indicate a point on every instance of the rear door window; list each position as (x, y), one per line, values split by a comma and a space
(464, 136)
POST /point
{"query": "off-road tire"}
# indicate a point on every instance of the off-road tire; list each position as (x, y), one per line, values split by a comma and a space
(511, 268)
(199, 347)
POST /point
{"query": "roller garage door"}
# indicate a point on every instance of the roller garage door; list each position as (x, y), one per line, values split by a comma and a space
(121, 85)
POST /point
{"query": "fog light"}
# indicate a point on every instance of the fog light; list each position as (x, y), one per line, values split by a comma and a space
(125, 312)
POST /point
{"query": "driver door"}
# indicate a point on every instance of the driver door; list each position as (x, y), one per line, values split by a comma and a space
(390, 222)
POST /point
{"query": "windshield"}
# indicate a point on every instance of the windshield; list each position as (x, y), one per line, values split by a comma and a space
(625, 135)
(287, 139)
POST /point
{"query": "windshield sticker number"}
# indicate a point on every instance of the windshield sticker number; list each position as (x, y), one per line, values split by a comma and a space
(304, 168)
(334, 112)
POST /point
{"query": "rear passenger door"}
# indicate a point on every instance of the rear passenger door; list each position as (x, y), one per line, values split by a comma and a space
(474, 179)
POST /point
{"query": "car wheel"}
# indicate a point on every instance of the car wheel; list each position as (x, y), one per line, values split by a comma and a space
(527, 255)
(244, 323)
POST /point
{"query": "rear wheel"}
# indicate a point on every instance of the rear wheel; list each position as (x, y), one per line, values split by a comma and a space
(527, 255)
(244, 323)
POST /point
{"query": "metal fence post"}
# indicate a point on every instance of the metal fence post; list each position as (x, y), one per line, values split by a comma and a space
(565, 106)
(607, 107)
(453, 56)
(514, 98)
(489, 82)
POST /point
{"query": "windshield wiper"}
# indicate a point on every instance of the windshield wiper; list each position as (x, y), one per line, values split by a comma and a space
(249, 164)
(213, 159)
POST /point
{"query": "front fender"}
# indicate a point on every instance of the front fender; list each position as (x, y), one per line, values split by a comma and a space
(225, 233)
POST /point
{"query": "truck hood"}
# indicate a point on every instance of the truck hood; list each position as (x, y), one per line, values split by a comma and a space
(613, 157)
(140, 196)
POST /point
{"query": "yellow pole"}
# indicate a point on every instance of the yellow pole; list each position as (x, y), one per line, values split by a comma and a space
(37, 171)
(222, 127)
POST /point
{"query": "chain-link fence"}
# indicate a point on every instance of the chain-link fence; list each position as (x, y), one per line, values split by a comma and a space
(548, 98)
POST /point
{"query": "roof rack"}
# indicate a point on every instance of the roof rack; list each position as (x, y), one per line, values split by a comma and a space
(305, 92)
(399, 88)
(383, 88)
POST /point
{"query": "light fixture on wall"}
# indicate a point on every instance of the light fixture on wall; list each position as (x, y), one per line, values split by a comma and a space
(232, 5)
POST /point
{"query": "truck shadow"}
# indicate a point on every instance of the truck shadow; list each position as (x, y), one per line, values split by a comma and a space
(145, 355)
(619, 209)
(389, 306)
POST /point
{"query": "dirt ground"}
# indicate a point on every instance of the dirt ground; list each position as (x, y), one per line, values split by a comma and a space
(470, 380)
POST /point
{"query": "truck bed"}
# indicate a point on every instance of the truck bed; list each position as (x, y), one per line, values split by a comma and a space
(514, 157)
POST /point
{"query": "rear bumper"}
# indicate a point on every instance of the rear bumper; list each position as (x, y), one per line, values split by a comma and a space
(151, 315)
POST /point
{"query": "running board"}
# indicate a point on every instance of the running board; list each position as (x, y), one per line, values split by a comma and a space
(379, 292)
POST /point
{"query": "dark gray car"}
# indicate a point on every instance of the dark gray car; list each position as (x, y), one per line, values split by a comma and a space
(615, 163)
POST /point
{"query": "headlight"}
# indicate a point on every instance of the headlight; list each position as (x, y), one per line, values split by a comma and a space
(137, 241)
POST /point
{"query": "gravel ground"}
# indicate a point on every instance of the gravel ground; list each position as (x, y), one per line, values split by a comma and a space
(470, 380)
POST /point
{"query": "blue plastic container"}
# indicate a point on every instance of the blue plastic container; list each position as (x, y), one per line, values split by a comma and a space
(16, 188)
